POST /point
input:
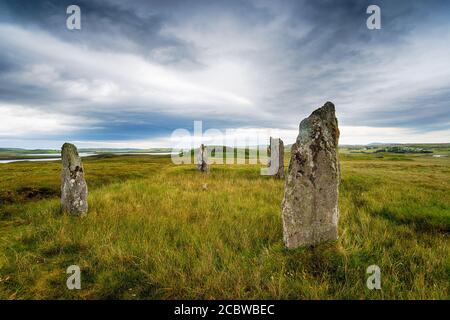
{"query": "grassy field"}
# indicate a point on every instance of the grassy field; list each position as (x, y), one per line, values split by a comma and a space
(154, 232)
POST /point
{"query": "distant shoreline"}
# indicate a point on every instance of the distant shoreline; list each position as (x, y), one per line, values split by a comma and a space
(57, 157)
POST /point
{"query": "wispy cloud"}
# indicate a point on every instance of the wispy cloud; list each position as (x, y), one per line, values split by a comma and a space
(21, 121)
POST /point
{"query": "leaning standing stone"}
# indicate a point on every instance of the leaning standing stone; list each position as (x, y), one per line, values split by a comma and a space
(276, 162)
(202, 159)
(310, 204)
(74, 190)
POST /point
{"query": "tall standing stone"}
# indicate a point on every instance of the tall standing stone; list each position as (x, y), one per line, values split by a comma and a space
(74, 190)
(310, 205)
(276, 161)
(202, 159)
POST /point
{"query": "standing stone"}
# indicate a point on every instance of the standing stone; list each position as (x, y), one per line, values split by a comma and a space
(74, 190)
(310, 205)
(202, 159)
(276, 153)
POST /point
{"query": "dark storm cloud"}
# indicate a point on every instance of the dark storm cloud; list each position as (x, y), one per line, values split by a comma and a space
(338, 39)
(106, 26)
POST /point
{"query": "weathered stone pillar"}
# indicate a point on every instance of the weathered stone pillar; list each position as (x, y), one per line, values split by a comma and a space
(310, 205)
(202, 159)
(276, 160)
(74, 190)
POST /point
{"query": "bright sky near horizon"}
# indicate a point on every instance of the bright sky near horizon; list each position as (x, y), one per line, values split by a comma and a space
(138, 70)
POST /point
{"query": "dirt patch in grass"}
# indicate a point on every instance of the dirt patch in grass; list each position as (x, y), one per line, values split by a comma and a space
(27, 194)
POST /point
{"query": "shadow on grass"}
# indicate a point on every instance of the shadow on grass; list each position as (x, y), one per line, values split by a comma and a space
(354, 188)
(420, 223)
(320, 261)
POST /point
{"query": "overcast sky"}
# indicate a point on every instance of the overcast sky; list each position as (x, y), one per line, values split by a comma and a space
(138, 70)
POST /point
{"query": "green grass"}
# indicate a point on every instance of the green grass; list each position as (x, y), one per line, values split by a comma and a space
(153, 232)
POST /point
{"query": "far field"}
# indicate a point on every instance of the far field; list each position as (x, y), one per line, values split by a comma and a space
(156, 231)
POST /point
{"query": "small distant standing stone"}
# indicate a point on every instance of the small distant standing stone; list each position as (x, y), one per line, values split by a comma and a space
(310, 205)
(74, 190)
(276, 152)
(202, 159)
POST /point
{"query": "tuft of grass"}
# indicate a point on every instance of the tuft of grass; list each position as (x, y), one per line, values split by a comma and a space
(154, 232)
